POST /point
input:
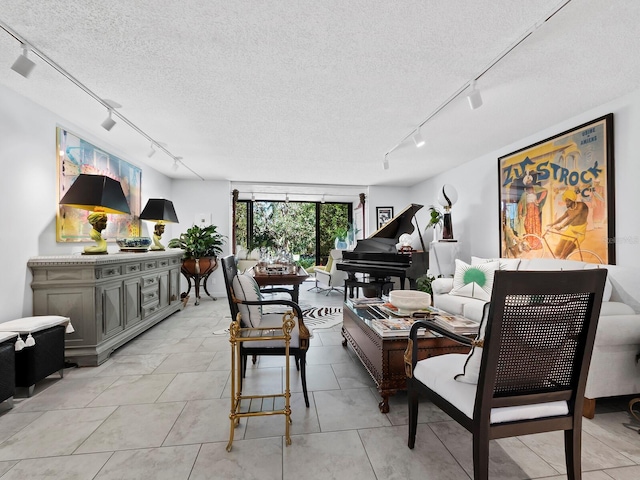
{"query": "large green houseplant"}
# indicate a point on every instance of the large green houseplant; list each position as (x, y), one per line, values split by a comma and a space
(199, 242)
(202, 246)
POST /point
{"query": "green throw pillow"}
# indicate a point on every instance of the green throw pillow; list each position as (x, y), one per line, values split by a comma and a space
(475, 281)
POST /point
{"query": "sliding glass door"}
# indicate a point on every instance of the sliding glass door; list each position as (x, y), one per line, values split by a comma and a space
(307, 230)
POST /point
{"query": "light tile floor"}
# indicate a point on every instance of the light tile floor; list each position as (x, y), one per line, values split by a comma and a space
(158, 409)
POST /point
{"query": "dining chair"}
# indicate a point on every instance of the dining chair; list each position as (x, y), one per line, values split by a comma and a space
(527, 369)
(246, 299)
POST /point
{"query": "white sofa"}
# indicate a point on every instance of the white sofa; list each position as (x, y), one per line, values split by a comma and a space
(615, 369)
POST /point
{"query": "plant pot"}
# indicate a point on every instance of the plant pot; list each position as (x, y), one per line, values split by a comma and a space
(200, 266)
(340, 244)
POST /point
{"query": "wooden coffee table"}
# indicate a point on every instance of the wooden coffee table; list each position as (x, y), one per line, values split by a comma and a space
(285, 279)
(384, 357)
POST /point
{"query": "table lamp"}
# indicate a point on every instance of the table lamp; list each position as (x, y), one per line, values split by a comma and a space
(100, 195)
(447, 197)
(160, 211)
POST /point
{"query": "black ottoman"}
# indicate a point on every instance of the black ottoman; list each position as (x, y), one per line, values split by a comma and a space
(42, 359)
(7, 372)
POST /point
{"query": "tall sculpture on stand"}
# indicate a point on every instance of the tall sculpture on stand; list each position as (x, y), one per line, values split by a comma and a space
(447, 197)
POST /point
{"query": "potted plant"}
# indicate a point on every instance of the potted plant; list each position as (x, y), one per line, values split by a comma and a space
(423, 284)
(435, 220)
(202, 246)
(341, 237)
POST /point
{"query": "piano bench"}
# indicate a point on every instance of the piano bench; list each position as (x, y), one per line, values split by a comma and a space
(380, 286)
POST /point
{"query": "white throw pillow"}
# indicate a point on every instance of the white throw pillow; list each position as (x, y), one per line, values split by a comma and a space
(475, 281)
(505, 263)
(246, 288)
(471, 371)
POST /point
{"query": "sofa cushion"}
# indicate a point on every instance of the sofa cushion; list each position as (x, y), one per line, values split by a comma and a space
(442, 285)
(608, 288)
(475, 281)
(505, 263)
(473, 309)
(541, 264)
(246, 288)
(618, 330)
(615, 308)
(451, 303)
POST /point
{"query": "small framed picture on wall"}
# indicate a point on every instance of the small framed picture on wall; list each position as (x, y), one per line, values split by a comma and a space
(383, 214)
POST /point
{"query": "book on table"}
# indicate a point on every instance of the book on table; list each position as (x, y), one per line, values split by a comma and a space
(456, 324)
(364, 302)
(392, 327)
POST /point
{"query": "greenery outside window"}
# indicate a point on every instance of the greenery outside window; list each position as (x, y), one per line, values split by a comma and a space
(305, 229)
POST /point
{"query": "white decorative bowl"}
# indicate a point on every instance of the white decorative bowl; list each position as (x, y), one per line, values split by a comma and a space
(409, 300)
(134, 244)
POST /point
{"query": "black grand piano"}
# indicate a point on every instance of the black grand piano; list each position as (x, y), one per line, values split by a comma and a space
(378, 258)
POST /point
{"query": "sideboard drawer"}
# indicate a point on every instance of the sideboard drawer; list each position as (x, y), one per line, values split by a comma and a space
(149, 295)
(132, 268)
(109, 272)
(150, 265)
(150, 308)
(149, 281)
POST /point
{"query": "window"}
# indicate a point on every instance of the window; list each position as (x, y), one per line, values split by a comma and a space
(305, 229)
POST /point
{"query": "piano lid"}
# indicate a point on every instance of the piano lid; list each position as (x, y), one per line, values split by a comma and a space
(399, 224)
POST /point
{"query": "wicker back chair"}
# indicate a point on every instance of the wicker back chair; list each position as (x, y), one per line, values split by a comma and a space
(299, 336)
(533, 352)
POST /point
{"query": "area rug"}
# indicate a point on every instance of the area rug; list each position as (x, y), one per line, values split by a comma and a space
(315, 318)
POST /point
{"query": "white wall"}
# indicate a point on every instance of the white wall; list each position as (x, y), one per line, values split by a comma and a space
(209, 199)
(379, 196)
(475, 215)
(28, 190)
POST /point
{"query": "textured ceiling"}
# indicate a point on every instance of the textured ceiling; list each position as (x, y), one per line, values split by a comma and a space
(318, 91)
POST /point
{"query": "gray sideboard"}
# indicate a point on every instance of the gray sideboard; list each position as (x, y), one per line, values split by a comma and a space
(109, 298)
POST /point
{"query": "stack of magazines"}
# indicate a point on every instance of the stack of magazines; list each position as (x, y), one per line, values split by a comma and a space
(363, 302)
(392, 327)
(455, 324)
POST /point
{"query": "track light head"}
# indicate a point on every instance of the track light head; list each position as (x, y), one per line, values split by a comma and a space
(152, 151)
(23, 64)
(385, 163)
(108, 122)
(175, 165)
(417, 139)
(474, 97)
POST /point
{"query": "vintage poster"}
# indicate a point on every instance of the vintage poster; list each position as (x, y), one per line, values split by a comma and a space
(557, 197)
(76, 156)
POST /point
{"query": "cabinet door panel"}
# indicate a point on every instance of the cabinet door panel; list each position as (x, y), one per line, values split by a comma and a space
(112, 318)
(165, 287)
(174, 285)
(132, 306)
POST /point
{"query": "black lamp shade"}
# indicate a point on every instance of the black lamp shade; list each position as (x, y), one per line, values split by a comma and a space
(96, 193)
(159, 210)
